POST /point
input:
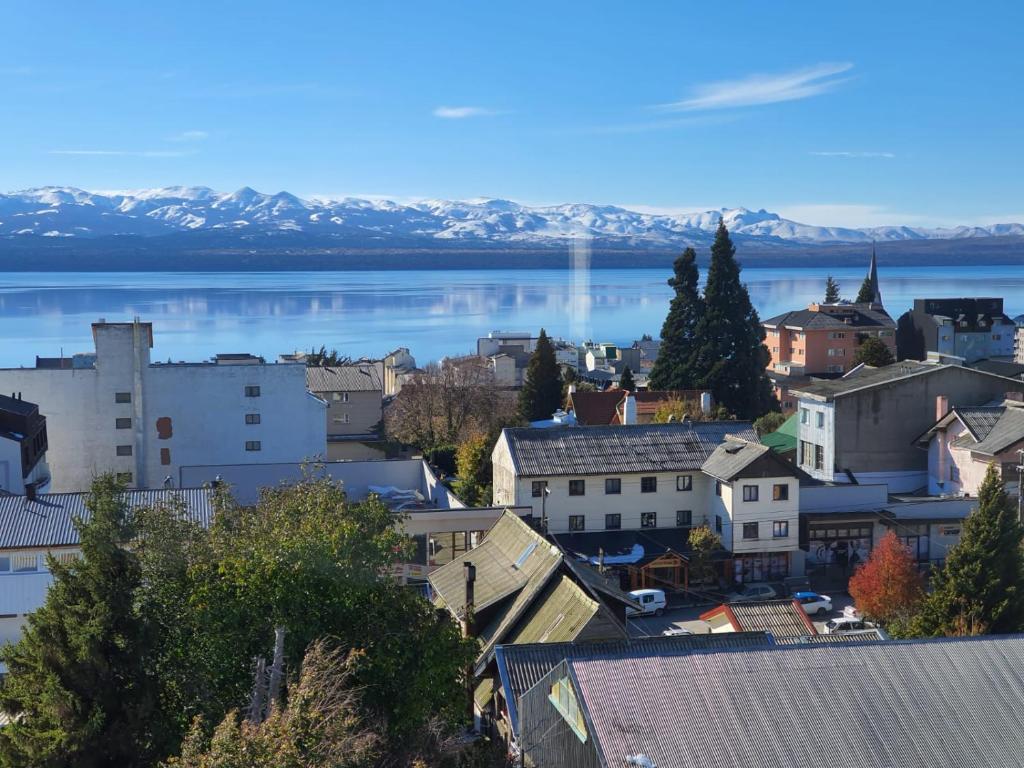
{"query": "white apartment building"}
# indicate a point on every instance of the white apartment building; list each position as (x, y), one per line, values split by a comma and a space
(119, 412)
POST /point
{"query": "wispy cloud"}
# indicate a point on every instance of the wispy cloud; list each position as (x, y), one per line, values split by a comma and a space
(122, 152)
(189, 136)
(460, 113)
(764, 89)
(886, 155)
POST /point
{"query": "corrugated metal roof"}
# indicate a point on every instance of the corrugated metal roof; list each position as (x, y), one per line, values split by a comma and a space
(860, 636)
(677, 447)
(344, 378)
(783, 618)
(731, 457)
(913, 704)
(556, 616)
(49, 520)
(1006, 432)
(979, 420)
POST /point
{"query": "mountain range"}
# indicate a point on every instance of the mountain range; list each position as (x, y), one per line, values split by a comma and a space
(67, 212)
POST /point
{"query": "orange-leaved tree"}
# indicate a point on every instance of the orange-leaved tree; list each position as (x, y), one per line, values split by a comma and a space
(888, 586)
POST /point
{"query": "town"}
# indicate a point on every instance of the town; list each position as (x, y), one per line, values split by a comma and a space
(734, 541)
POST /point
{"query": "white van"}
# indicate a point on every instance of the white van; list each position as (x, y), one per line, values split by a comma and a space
(652, 601)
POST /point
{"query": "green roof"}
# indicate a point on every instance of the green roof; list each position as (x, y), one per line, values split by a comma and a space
(784, 438)
(559, 616)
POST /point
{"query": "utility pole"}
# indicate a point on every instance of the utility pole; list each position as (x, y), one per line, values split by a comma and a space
(544, 509)
(1020, 484)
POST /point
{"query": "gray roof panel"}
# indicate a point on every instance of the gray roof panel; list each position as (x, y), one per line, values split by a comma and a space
(344, 378)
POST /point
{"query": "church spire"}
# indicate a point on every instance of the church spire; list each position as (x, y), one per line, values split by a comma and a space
(876, 292)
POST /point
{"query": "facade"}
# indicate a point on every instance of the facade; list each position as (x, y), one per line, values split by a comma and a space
(970, 328)
(119, 412)
(617, 406)
(508, 353)
(23, 443)
(1018, 344)
(355, 407)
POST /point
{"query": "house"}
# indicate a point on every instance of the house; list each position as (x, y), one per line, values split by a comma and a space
(780, 618)
(354, 395)
(649, 349)
(119, 412)
(509, 352)
(971, 328)
(863, 427)
(618, 406)
(398, 367)
(915, 704)
(23, 443)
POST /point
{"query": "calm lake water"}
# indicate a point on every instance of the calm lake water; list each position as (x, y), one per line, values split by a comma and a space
(434, 313)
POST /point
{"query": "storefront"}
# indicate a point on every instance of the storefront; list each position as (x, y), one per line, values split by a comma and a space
(842, 544)
(760, 566)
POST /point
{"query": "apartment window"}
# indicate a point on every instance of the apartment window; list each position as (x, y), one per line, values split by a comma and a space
(122, 423)
(537, 488)
(340, 397)
(122, 397)
(834, 368)
(125, 478)
(775, 350)
(577, 487)
(648, 519)
(819, 419)
(577, 522)
(718, 523)
(684, 518)
(252, 418)
(612, 485)
(804, 416)
(124, 450)
(819, 457)
(24, 563)
(253, 445)
(343, 419)
(750, 493)
(780, 492)
(648, 485)
(718, 487)
(684, 482)
(836, 352)
(837, 335)
(780, 529)
(5, 563)
(252, 391)
(996, 337)
(750, 530)
(612, 521)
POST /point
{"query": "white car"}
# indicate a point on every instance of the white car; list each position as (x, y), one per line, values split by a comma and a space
(676, 632)
(813, 603)
(753, 591)
(846, 624)
(652, 601)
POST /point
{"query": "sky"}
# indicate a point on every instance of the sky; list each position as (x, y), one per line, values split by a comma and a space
(845, 114)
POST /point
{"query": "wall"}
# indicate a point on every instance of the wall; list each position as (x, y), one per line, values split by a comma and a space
(809, 431)
(10, 466)
(364, 411)
(843, 498)
(22, 593)
(764, 512)
(808, 351)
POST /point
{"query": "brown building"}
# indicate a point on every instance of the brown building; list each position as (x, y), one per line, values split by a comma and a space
(354, 395)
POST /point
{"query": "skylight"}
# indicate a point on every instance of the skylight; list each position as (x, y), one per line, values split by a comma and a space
(526, 553)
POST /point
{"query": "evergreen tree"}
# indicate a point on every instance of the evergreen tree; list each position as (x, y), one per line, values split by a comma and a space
(866, 294)
(873, 351)
(673, 369)
(541, 394)
(732, 356)
(79, 688)
(626, 380)
(979, 590)
(831, 290)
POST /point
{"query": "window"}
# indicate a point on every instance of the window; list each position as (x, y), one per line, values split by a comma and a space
(684, 482)
(819, 457)
(5, 563)
(819, 419)
(524, 555)
(343, 419)
(252, 418)
(612, 485)
(806, 453)
(24, 563)
(122, 423)
(537, 488)
(577, 522)
(997, 336)
(780, 492)
(252, 391)
(718, 487)
(750, 530)
(563, 698)
(613, 521)
(253, 445)
(577, 487)
(780, 529)
(122, 397)
(718, 523)
(339, 397)
(684, 518)
(648, 485)
(834, 368)
(124, 450)
(648, 519)
(750, 493)
(804, 416)
(837, 335)
(125, 478)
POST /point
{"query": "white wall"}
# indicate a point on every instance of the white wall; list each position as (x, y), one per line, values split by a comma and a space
(824, 435)
(764, 512)
(10, 466)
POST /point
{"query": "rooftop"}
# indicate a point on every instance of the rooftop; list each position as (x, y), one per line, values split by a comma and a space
(739, 458)
(344, 378)
(782, 618)
(842, 317)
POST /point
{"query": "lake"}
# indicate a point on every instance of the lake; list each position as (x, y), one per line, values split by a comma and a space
(434, 313)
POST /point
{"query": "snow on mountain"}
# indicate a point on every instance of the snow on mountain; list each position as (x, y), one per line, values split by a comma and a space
(71, 212)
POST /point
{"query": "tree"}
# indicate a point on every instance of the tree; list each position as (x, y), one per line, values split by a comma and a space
(831, 290)
(79, 690)
(626, 381)
(732, 356)
(678, 409)
(874, 352)
(887, 587)
(541, 394)
(674, 366)
(979, 589)
(703, 544)
(323, 358)
(866, 294)
(473, 465)
(769, 423)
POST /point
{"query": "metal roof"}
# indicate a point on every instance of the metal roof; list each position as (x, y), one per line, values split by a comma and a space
(344, 378)
(559, 615)
(914, 704)
(866, 377)
(17, 406)
(620, 449)
(858, 636)
(808, 319)
(782, 618)
(979, 420)
(48, 521)
(1007, 431)
(732, 457)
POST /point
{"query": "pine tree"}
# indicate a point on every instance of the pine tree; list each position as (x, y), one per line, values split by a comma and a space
(673, 368)
(732, 356)
(980, 590)
(831, 290)
(541, 394)
(626, 380)
(866, 294)
(873, 351)
(79, 689)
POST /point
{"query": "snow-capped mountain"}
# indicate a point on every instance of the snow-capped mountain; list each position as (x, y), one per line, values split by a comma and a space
(69, 212)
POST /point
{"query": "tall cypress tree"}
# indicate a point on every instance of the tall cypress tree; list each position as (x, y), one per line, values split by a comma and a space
(831, 290)
(980, 590)
(732, 356)
(541, 394)
(866, 294)
(673, 369)
(78, 687)
(626, 380)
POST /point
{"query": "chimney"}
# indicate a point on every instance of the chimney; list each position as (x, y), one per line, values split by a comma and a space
(469, 572)
(705, 402)
(629, 409)
(941, 406)
(30, 491)
(572, 389)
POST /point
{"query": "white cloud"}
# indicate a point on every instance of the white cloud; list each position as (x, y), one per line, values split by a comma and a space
(764, 89)
(460, 113)
(121, 152)
(189, 136)
(854, 154)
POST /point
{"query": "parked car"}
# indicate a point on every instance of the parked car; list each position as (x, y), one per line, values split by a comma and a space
(846, 624)
(676, 631)
(813, 603)
(652, 601)
(752, 591)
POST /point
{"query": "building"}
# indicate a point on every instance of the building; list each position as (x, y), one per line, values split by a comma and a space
(971, 328)
(1018, 342)
(863, 427)
(509, 352)
(780, 618)
(915, 704)
(398, 367)
(649, 349)
(119, 412)
(23, 443)
(618, 406)
(355, 407)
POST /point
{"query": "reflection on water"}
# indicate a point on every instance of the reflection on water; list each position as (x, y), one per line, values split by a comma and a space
(434, 313)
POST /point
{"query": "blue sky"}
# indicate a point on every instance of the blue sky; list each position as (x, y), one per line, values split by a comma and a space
(831, 113)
